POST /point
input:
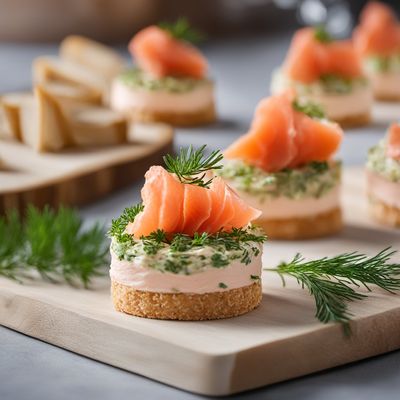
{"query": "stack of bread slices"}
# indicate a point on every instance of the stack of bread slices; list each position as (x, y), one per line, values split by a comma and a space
(68, 105)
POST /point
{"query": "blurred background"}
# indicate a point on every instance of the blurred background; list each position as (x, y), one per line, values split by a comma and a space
(115, 21)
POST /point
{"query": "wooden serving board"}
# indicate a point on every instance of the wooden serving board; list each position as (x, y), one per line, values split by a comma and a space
(80, 175)
(278, 341)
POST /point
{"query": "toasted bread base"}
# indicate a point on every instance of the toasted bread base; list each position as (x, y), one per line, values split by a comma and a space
(186, 306)
(318, 225)
(201, 117)
(384, 213)
(354, 120)
(394, 97)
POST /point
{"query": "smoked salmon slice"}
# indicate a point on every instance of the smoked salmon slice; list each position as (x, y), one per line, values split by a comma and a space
(282, 137)
(309, 58)
(269, 144)
(157, 52)
(378, 32)
(393, 142)
(177, 207)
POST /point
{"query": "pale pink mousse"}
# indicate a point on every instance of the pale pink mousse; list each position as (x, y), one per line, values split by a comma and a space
(386, 191)
(235, 275)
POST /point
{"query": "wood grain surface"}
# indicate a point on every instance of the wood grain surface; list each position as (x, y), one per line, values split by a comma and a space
(280, 340)
(80, 175)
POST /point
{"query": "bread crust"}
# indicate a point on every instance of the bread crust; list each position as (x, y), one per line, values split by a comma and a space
(186, 306)
(392, 97)
(203, 116)
(318, 225)
(354, 120)
(384, 213)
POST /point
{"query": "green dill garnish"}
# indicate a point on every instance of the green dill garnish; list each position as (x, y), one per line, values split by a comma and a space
(322, 35)
(53, 244)
(222, 285)
(182, 30)
(311, 109)
(119, 224)
(333, 281)
(255, 277)
(190, 166)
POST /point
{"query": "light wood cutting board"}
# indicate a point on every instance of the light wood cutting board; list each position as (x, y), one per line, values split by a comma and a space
(80, 175)
(278, 341)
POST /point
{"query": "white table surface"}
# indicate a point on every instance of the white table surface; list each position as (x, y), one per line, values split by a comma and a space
(31, 369)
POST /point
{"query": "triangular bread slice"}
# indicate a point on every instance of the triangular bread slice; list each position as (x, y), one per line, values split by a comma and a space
(43, 125)
(96, 126)
(100, 59)
(10, 105)
(65, 92)
(50, 69)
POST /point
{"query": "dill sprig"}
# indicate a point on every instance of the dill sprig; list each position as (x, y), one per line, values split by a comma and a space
(190, 166)
(333, 281)
(52, 244)
(322, 35)
(119, 224)
(311, 109)
(182, 30)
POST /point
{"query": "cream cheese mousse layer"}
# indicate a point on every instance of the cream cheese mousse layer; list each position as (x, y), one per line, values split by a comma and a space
(189, 251)
(383, 179)
(329, 73)
(377, 40)
(143, 286)
(171, 100)
(349, 103)
(283, 166)
(168, 82)
(301, 203)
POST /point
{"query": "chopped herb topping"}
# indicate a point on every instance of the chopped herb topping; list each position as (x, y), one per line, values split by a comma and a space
(182, 254)
(182, 30)
(222, 285)
(311, 109)
(191, 166)
(313, 180)
(254, 277)
(137, 78)
(340, 84)
(388, 167)
(380, 63)
(322, 35)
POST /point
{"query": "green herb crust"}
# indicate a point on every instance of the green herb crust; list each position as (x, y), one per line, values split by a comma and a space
(311, 109)
(137, 78)
(313, 180)
(328, 84)
(383, 64)
(385, 166)
(182, 254)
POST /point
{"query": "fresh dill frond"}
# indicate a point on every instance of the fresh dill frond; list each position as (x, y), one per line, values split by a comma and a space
(333, 281)
(53, 244)
(322, 35)
(182, 30)
(119, 224)
(311, 109)
(190, 166)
